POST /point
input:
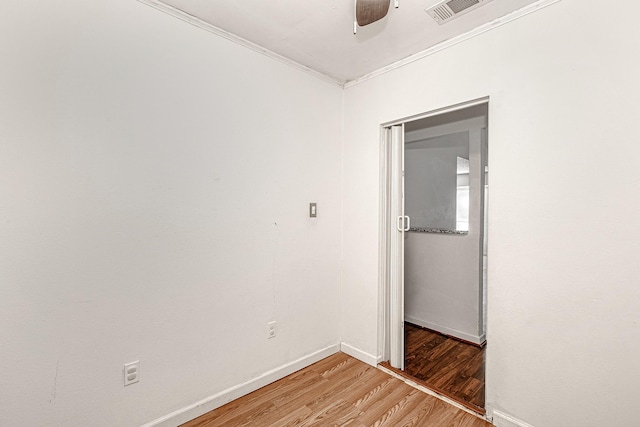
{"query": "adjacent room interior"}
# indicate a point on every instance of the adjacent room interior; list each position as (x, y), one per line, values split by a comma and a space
(441, 250)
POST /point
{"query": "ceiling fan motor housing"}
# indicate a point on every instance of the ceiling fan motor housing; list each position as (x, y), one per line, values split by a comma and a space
(369, 11)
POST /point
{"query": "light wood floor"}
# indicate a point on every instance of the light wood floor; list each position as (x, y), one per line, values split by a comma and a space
(449, 366)
(338, 391)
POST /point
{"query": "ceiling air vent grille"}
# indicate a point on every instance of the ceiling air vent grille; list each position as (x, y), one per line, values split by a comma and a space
(459, 5)
(447, 10)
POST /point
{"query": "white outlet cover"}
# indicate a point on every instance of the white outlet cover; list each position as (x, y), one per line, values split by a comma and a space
(271, 329)
(131, 373)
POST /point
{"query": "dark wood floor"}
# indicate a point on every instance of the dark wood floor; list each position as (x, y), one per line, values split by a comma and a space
(338, 391)
(449, 366)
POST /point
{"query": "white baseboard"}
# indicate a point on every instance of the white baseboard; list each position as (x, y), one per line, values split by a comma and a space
(212, 402)
(501, 419)
(475, 339)
(359, 354)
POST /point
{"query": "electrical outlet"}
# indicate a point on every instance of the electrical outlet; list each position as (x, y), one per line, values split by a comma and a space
(131, 373)
(271, 329)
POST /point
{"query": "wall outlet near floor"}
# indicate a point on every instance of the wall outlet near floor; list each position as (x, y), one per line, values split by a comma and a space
(271, 329)
(131, 373)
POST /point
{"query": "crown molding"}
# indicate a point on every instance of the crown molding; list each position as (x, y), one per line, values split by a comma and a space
(190, 19)
(533, 7)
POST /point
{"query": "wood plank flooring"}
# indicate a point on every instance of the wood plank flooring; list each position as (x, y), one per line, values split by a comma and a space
(446, 365)
(338, 391)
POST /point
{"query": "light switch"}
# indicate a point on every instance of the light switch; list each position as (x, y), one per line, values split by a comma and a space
(313, 210)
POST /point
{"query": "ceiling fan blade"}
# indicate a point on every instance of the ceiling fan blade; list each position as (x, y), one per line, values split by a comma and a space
(368, 11)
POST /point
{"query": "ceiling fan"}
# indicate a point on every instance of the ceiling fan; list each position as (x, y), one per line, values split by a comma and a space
(370, 11)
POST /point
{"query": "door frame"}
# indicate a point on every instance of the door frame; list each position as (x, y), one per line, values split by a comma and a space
(387, 225)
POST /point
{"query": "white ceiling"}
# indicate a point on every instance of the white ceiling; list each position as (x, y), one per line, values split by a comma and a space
(319, 33)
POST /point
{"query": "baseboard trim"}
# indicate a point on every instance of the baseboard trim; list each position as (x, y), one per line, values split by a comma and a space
(363, 356)
(214, 401)
(473, 339)
(500, 419)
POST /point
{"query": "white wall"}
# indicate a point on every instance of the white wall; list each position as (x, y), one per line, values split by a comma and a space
(154, 190)
(563, 331)
(442, 283)
(431, 182)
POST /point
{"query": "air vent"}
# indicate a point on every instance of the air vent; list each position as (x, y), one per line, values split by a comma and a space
(447, 10)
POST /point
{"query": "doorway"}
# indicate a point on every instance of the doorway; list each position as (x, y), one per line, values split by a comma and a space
(433, 232)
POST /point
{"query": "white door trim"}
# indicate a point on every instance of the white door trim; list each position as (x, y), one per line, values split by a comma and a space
(437, 112)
